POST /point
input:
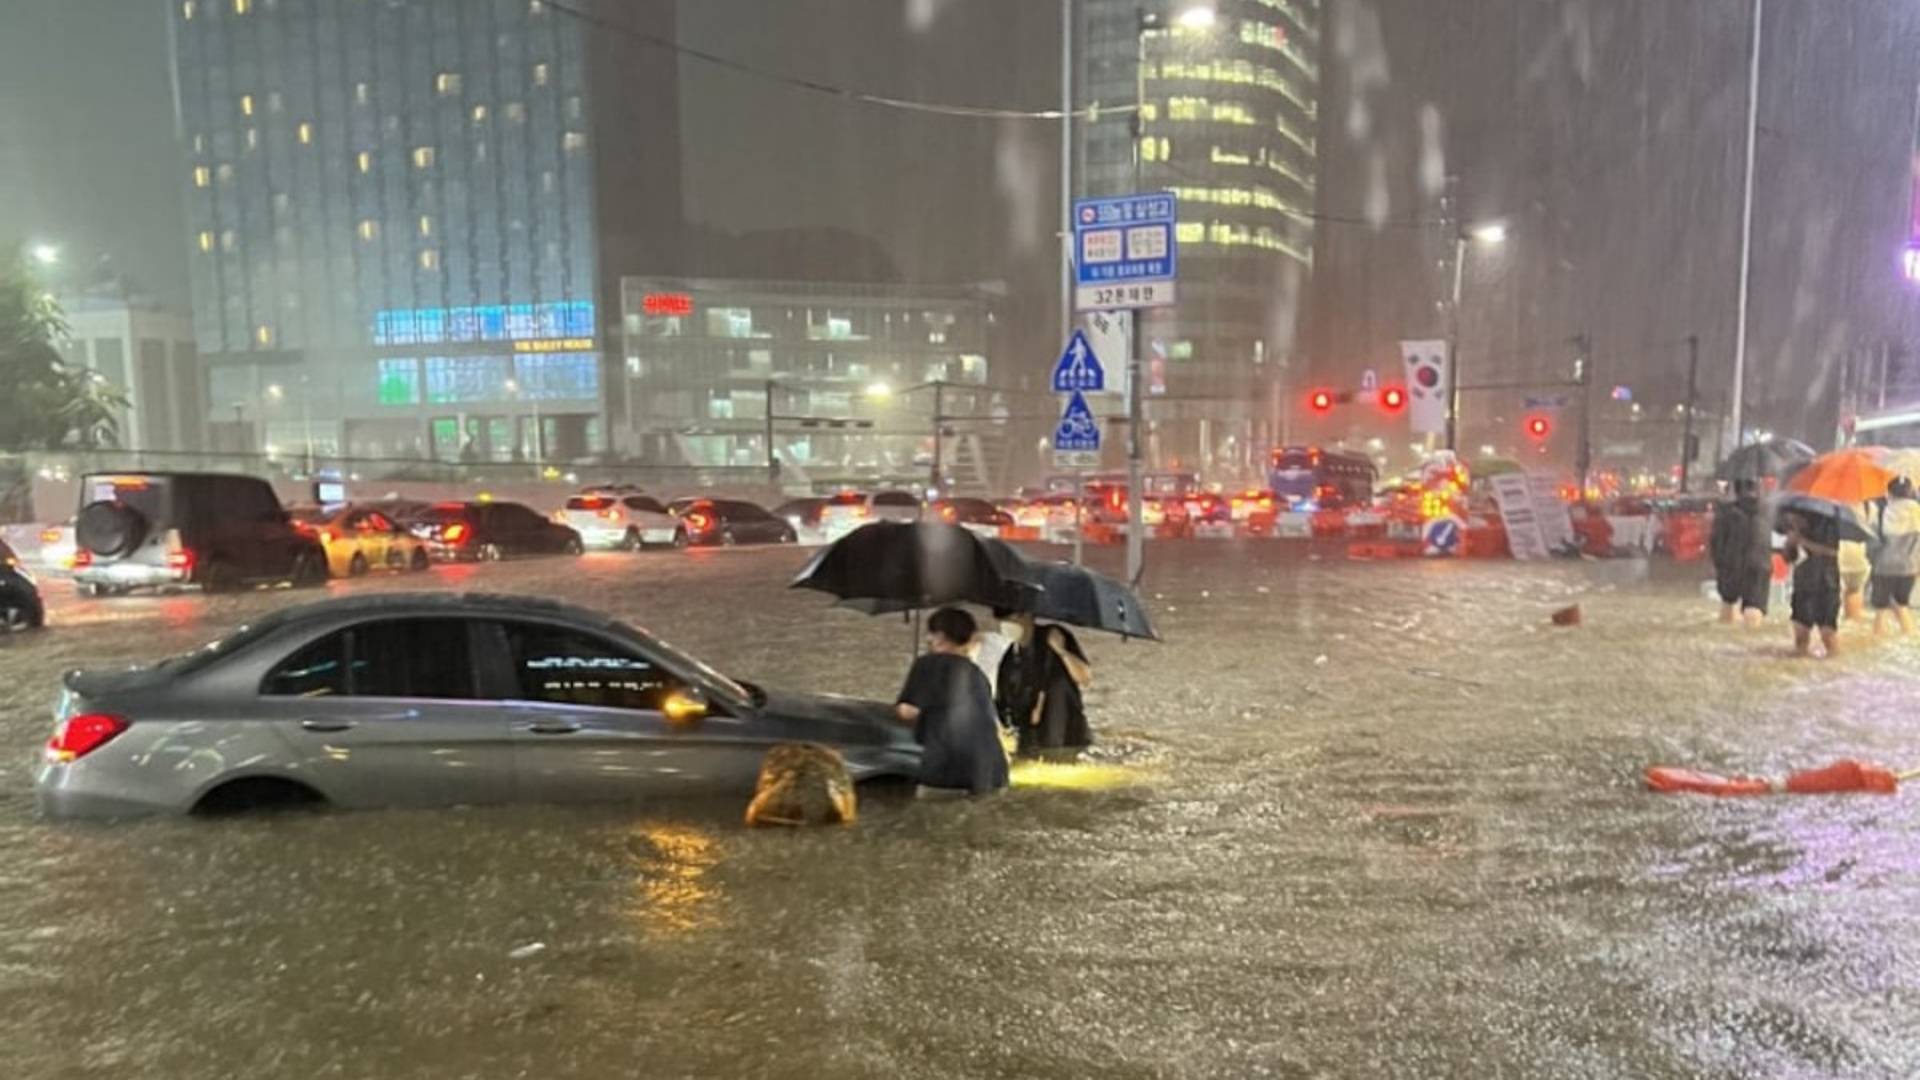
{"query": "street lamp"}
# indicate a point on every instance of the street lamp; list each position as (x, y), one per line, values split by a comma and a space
(45, 254)
(880, 391)
(1487, 234)
(1198, 17)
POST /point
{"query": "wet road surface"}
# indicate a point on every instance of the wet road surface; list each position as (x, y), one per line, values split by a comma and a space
(1370, 820)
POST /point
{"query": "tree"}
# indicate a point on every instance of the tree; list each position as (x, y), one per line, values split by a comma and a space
(46, 402)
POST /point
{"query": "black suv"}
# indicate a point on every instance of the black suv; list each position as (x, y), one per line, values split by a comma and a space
(216, 530)
(489, 531)
(20, 606)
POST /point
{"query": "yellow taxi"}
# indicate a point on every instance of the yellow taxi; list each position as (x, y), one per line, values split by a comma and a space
(361, 538)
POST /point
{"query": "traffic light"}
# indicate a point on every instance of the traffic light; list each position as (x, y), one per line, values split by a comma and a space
(1320, 401)
(1393, 399)
(1538, 428)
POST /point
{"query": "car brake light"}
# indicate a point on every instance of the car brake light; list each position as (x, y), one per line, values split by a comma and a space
(77, 736)
(81, 558)
(948, 513)
(454, 533)
(181, 561)
(698, 521)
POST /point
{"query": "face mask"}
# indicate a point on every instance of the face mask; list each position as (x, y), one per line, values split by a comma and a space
(1014, 632)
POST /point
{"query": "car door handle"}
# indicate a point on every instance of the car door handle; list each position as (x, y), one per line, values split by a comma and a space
(326, 725)
(554, 727)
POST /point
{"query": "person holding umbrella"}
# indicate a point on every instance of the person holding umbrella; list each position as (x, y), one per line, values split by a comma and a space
(1039, 689)
(1813, 548)
(1742, 549)
(947, 701)
(1896, 556)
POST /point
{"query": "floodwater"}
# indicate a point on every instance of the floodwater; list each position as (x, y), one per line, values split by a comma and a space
(1369, 820)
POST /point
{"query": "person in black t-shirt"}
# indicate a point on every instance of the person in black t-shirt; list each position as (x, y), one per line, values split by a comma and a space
(1813, 546)
(950, 706)
(1038, 693)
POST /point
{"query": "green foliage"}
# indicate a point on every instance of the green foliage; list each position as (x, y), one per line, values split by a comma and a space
(45, 402)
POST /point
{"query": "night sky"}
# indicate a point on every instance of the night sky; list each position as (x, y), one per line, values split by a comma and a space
(1607, 133)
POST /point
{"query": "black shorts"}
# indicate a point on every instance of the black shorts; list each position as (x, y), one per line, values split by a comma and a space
(1747, 589)
(1816, 599)
(1891, 592)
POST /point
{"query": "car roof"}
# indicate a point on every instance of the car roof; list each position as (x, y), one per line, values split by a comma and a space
(427, 603)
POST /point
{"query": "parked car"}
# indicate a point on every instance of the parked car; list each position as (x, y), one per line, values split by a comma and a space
(849, 510)
(360, 538)
(432, 700)
(491, 531)
(802, 514)
(727, 522)
(627, 522)
(977, 515)
(216, 530)
(20, 606)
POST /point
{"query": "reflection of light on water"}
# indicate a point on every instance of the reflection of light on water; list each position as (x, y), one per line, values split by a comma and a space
(1068, 775)
(674, 895)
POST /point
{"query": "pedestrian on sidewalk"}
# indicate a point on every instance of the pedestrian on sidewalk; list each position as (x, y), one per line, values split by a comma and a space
(1896, 556)
(947, 701)
(1742, 548)
(1041, 679)
(1813, 549)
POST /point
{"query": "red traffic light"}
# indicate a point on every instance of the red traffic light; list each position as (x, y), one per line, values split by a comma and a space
(1539, 427)
(1393, 399)
(1320, 401)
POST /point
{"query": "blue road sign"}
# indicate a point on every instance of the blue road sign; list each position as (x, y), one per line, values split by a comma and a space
(1078, 430)
(1125, 254)
(1441, 536)
(1079, 368)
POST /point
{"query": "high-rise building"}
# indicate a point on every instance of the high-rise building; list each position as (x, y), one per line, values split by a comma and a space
(403, 214)
(1229, 124)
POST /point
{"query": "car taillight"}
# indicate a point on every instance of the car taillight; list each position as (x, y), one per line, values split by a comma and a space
(181, 561)
(948, 513)
(860, 511)
(328, 536)
(454, 533)
(77, 736)
(610, 514)
(81, 558)
(698, 521)
(49, 536)
(1266, 502)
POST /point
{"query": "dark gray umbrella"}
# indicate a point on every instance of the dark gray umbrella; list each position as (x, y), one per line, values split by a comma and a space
(900, 566)
(1778, 458)
(1078, 596)
(1849, 525)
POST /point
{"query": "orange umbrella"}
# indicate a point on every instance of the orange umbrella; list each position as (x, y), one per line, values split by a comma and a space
(1849, 477)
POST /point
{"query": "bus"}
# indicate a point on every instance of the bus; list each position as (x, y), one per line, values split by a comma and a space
(1309, 478)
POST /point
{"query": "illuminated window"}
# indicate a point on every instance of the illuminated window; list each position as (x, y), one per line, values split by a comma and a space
(202, 176)
(369, 229)
(399, 381)
(540, 72)
(274, 101)
(426, 225)
(253, 138)
(362, 93)
(206, 241)
(1150, 111)
(573, 107)
(479, 114)
(246, 104)
(199, 143)
(304, 132)
(186, 9)
(223, 172)
(480, 152)
(547, 181)
(429, 259)
(573, 140)
(516, 112)
(229, 241)
(535, 7)
(364, 160)
(423, 157)
(447, 83)
(263, 334)
(241, 7)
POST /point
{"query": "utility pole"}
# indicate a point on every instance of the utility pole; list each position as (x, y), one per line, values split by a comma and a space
(1688, 447)
(1746, 232)
(1136, 406)
(773, 460)
(1453, 340)
(1583, 375)
(939, 433)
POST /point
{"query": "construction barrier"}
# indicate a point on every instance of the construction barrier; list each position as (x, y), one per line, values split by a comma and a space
(1329, 525)
(1486, 538)
(1020, 533)
(1685, 536)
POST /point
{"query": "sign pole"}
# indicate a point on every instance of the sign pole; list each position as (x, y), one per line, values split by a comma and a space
(1136, 525)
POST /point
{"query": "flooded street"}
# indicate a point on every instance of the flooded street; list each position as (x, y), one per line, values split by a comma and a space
(1353, 819)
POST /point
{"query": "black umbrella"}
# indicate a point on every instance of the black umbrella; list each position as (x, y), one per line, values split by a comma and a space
(1849, 525)
(1778, 458)
(1078, 596)
(896, 566)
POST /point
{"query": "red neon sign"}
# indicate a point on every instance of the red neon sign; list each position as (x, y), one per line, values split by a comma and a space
(667, 303)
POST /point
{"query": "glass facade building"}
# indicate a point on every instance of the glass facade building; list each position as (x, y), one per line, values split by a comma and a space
(1229, 124)
(848, 371)
(394, 215)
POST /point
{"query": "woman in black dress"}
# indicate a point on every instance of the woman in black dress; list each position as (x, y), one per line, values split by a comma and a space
(950, 706)
(1813, 546)
(1039, 688)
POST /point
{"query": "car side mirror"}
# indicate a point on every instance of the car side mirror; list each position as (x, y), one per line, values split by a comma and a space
(687, 706)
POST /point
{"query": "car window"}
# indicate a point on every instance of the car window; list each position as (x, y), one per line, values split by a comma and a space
(645, 504)
(514, 514)
(895, 498)
(146, 494)
(744, 511)
(562, 666)
(317, 670)
(411, 658)
(244, 499)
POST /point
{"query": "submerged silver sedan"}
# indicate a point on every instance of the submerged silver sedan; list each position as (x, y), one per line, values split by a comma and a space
(432, 700)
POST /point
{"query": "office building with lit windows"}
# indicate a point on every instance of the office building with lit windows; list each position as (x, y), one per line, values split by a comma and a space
(1230, 126)
(405, 216)
(852, 374)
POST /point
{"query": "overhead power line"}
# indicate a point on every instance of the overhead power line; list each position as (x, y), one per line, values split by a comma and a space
(982, 112)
